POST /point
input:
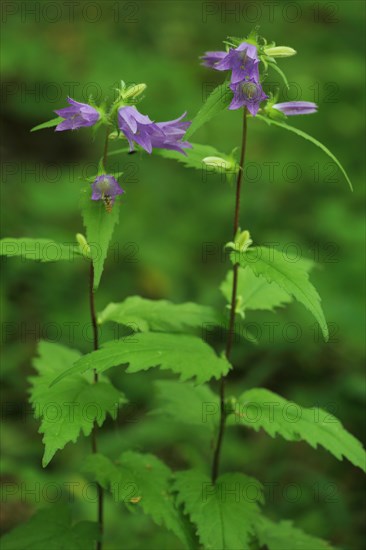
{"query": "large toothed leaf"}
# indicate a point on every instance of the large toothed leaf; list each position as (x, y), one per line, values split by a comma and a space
(224, 513)
(306, 136)
(99, 226)
(194, 159)
(254, 292)
(140, 480)
(74, 405)
(42, 250)
(284, 536)
(187, 356)
(49, 124)
(189, 404)
(216, 102)
(141, 314)
(290, 274)
(260, 408)
(51, 528)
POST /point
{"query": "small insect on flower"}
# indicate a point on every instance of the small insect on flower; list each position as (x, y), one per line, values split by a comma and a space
(106, 188)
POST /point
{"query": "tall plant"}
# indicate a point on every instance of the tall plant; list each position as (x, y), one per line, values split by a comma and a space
(211, 508)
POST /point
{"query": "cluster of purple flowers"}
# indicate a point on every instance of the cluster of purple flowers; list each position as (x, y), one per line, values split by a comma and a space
(136, 127)
(243, 62)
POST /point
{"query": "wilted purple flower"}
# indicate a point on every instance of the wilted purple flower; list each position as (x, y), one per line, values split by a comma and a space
(290, 108)
(242, 61)
(76, 116)
(106, 188)
(148, 134)
(248, 93)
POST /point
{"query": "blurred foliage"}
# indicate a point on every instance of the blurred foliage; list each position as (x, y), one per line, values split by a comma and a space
(168, 244)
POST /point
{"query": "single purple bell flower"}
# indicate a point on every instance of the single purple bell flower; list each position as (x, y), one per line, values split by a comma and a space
(76, 116)
(106, 188)
(148, 134)
(290, 108)
(249, 94)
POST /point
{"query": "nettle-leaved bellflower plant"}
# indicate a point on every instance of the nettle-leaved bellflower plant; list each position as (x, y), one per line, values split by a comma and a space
(258, 278)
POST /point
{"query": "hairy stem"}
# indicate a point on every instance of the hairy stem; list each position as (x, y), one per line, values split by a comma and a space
(230, 334)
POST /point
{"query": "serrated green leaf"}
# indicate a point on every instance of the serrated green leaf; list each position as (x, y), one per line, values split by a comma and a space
(99, 226)
(189, 404)
(141, 480)
(42, 250)
(224, 513)
(74, 405)
(185, 355)
(288, 273)
(254, 292)
(141, 314)
(260, 408)
(49, 124)
(216, 102)
(306, 136)
(51, 529)
(194, 157)
(284, 536)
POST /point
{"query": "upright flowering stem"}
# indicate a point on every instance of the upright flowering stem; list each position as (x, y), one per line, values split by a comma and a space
(93, 317)
(230, 334)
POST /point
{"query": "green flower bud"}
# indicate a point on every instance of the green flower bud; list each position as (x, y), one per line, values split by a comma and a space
(83, 245)
(279, 51)
(219, 163)
(133, 91)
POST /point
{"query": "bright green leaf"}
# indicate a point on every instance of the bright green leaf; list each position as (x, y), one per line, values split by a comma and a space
(254, 292)
(194, 158)
(74, 405)
(308, 138)
(284, 536)
(288, 273)
(99, 229)
(216, 102)
(49, 124)
(224, 513)
(141, 314)
(189, 404)
(51, 529)
(185, 355)
(260, 408)
(43, 250)
(141, 480)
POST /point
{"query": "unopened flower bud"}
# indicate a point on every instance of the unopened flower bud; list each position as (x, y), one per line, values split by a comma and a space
(280, 51)
(83, 245)
(218, 163)
(133, 91)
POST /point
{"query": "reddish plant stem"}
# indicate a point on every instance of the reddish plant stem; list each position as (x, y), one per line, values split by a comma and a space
(230, 334)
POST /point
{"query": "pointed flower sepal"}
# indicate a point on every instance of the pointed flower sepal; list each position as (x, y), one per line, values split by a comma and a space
(241, 243)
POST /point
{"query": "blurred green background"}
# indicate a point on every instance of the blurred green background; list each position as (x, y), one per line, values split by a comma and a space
(292, 194)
